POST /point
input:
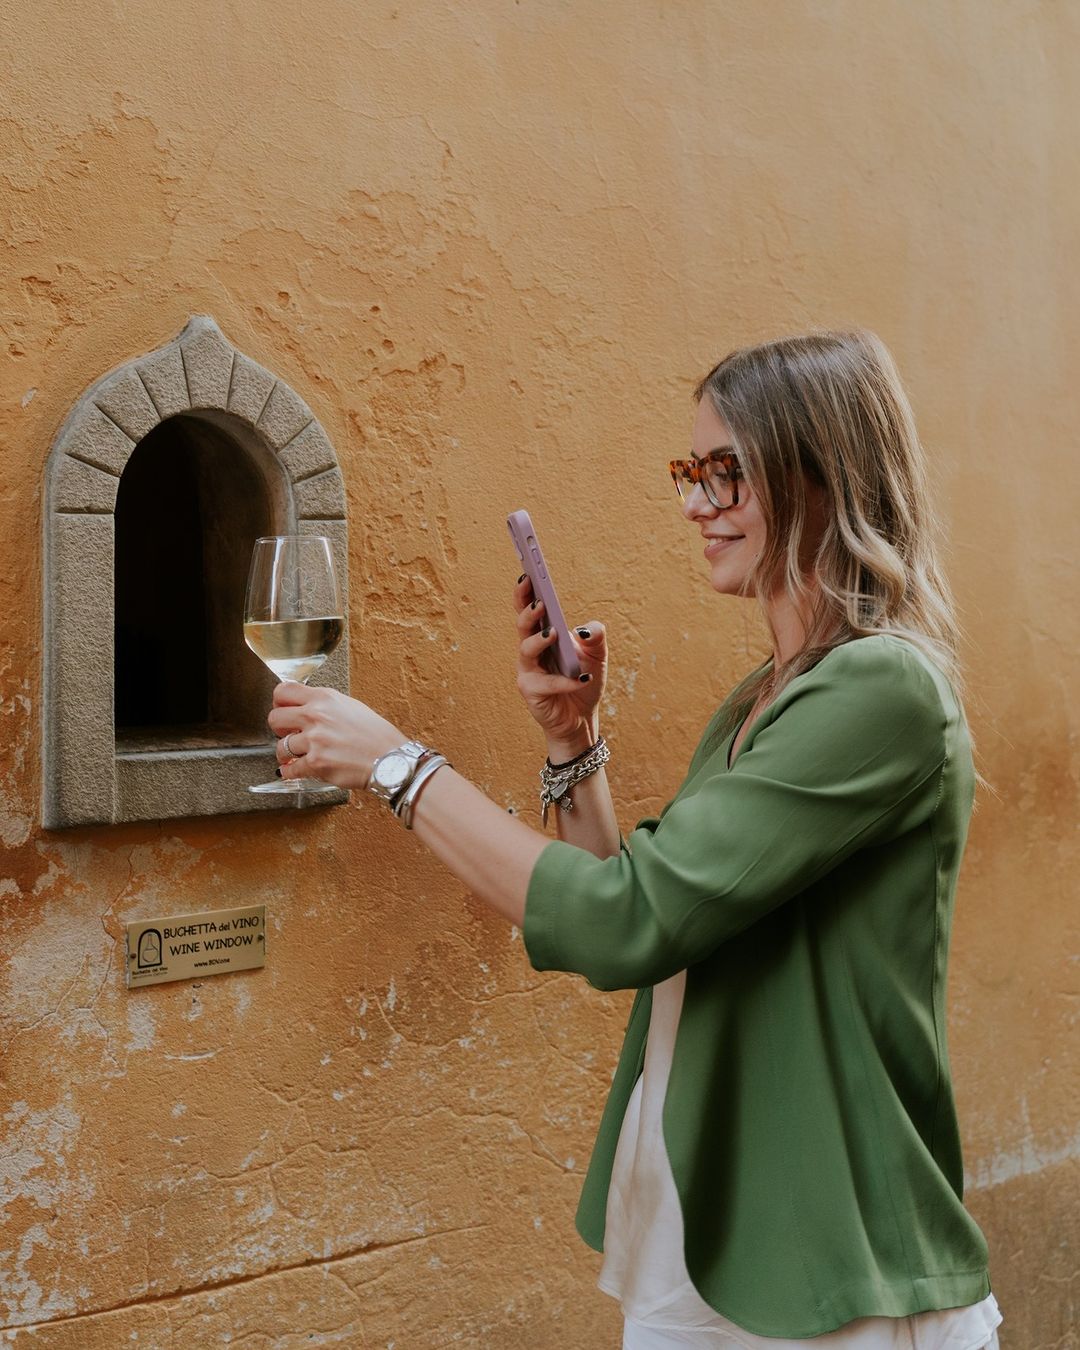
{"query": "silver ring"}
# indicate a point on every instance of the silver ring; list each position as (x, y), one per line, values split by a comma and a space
(288, 748)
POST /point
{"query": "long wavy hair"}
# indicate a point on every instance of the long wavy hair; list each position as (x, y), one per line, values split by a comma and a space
(831, 406)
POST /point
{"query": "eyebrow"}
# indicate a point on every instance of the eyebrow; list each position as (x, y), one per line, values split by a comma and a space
(719, 450)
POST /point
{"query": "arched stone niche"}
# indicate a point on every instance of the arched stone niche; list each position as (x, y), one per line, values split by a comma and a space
(171, 467)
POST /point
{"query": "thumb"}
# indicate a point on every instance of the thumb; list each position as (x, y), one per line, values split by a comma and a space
(593, 638)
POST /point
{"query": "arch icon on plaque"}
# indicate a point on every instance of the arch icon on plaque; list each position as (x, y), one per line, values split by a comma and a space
(149, 948)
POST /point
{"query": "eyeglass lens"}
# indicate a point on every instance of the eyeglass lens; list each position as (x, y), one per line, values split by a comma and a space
(719, 477)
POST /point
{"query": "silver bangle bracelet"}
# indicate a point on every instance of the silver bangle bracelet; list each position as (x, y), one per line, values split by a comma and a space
(406, 803)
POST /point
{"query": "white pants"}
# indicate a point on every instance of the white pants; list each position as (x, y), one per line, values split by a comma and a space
(639, 1337)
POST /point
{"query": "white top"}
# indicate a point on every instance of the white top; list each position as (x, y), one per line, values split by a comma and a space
(644, 1265)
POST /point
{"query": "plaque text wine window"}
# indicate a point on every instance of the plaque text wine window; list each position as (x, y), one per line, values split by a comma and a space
(159, 482)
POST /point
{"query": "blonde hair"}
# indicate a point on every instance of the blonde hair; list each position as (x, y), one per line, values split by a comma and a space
(831, 406)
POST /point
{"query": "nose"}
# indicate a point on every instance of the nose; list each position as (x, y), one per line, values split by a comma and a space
(696, 506)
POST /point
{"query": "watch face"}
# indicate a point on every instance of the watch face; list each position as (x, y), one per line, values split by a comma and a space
(394, 772)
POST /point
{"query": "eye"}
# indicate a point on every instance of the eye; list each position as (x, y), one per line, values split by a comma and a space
(730, 465)
(719, 468)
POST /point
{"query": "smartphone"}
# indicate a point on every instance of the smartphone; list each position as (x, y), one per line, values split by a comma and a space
(562, 658)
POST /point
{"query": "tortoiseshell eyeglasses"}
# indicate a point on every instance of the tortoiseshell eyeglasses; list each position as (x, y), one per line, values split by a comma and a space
(718, 473)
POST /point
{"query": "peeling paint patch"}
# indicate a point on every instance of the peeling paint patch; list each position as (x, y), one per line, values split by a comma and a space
(1029, 1158)
(21, 1294)
(32, 1139)
(37, 1143)
(14, 830)
(141, 1026)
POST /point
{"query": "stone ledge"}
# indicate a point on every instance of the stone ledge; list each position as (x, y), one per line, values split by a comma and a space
(165, 784)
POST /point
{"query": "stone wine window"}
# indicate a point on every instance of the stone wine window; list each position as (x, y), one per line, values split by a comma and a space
(163, 476)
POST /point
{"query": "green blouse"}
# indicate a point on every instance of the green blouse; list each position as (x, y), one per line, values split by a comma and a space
(808, 892)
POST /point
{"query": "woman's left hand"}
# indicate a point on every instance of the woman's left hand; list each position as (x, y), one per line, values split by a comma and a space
(332, 737)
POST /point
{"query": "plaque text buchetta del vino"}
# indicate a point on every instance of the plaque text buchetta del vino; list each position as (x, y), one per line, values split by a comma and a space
(192, 946)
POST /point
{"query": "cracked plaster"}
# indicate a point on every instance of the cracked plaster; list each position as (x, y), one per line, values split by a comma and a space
(368, 1141)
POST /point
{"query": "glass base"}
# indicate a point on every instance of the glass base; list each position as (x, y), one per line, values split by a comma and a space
(293, 786)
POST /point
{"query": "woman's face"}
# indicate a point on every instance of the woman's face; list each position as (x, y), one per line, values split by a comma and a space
(734, 537)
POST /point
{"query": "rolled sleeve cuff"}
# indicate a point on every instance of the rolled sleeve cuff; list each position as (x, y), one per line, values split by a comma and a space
(547, 900)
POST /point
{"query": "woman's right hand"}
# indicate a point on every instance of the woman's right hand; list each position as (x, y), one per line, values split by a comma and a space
(565, 708)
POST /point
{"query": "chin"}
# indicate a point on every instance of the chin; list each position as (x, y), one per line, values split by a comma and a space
(732, 585)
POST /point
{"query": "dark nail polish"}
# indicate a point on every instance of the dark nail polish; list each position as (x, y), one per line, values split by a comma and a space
(546, 633)
(584, 678)
(521, 578)
(277, 773)
(534, 604)
(583, 632)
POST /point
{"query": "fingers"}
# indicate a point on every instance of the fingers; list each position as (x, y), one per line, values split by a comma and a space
(590, 639)
(531, 618)
(539, 684)
(295, 705)
(532, 648)
(286, 719)
(289, 693)
(523, 592)
(293, 745)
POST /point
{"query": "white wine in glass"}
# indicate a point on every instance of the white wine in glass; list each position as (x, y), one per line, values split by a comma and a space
(293, 618)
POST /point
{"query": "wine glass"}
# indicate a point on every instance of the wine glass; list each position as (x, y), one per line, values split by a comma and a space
(293, 618)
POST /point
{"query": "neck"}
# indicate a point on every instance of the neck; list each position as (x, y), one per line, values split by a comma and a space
(789, 623)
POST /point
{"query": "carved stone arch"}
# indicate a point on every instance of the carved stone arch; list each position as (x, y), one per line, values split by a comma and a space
(199, 384)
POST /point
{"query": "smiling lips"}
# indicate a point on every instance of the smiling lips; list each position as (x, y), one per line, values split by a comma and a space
(717, 543)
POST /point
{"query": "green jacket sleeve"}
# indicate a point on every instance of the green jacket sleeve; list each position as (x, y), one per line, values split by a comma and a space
(850, 755)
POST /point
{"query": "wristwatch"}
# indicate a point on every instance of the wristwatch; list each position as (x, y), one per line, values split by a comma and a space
(406, 803)
(392, 773)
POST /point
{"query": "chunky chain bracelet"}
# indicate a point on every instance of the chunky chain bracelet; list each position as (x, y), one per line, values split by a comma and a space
(557, 779)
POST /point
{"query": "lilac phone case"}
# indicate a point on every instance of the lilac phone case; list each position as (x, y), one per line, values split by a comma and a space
(528, 549)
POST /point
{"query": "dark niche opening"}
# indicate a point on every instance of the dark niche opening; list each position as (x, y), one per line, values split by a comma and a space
(191, 503)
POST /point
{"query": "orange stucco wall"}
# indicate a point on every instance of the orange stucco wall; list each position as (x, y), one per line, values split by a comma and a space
(493, 245)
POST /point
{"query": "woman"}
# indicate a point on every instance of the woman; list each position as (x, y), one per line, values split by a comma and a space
(778, 1158)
